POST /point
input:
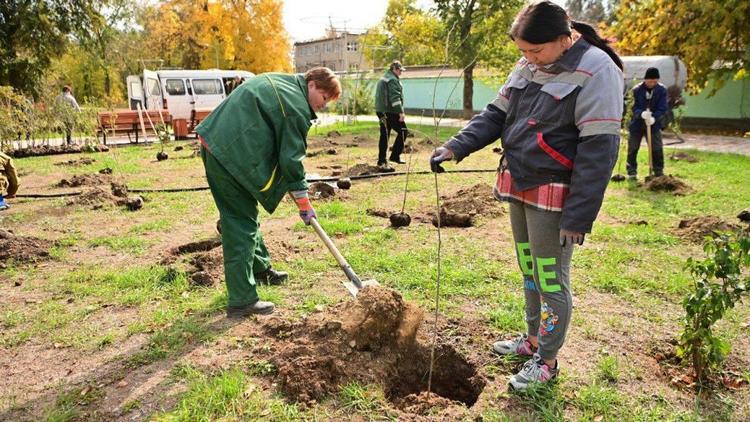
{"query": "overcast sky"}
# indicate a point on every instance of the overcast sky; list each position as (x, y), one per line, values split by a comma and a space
(307, 19)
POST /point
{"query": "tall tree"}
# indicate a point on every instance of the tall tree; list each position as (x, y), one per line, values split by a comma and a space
(33, 33)
(475, 28)
(712, 37)
(406, 33)
(592, 11)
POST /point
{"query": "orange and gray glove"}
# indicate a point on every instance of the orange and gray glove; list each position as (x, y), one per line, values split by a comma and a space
(306, 211)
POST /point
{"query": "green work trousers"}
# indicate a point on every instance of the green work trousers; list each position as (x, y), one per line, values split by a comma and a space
(245, 252)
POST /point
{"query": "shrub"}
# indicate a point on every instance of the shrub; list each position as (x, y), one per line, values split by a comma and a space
(719, 285)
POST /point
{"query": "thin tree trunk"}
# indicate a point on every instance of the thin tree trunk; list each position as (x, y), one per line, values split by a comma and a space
(469, 92)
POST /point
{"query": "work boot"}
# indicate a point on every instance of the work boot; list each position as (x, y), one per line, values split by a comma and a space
(271, 277)
(396, 160)
(258, 308)
(385, 168)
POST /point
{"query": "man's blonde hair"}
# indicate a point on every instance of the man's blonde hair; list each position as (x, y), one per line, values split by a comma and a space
(325, 80)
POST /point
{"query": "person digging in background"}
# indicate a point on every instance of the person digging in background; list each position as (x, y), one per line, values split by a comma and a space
(8, 180)
(558, 116)
(389, 107)
(252, 146)
(649, 108)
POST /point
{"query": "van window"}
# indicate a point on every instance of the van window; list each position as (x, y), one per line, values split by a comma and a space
(207, 86)
(174, 86)
(136, 89)
(152, 87)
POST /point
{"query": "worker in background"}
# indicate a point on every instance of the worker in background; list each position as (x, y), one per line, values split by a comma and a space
(8, 180)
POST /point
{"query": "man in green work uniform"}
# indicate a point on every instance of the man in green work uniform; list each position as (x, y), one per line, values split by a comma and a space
(253, 145)
(8, 180)
(389, 106)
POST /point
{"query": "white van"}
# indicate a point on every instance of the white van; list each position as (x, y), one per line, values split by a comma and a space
(182, 91)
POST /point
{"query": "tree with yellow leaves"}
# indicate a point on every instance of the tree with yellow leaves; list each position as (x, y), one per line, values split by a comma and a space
(229, 34)
(712, 37)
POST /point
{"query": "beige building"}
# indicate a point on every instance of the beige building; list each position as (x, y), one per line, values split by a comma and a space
(341, 52)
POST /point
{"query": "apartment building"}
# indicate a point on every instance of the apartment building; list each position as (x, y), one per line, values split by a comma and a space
(339, 51)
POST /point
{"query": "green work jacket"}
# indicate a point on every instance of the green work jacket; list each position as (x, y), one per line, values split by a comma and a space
(259, 135)
(389, 94)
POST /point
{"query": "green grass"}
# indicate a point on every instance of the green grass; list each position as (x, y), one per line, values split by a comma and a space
(134, 245)
(227, 395)
(366, 400)
(641, 264)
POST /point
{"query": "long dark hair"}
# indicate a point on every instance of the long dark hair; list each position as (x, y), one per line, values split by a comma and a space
(542, 22)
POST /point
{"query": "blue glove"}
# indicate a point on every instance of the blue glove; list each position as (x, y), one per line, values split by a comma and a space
(3, 205)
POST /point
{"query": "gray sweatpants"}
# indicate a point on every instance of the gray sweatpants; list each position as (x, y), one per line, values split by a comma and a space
(545, 266)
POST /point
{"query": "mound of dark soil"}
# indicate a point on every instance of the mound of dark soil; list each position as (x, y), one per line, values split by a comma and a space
(683, 156)
(476, 200)
(461, 208)
(85, 180)
(199, 246)
(119, 189)
(365, 169)
(667, 183)
(56, 150)
(84, 161)
(378, 212)
(98, 197)
(21, 248)
(371, 340)
(321, 190)
(696, 229)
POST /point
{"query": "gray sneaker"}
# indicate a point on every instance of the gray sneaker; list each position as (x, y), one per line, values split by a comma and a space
(258, 308)
(533, 371)
(517, 346)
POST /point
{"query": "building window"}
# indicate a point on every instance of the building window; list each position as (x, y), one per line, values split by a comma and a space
(351, 46)
(329, 47)
(353, 67)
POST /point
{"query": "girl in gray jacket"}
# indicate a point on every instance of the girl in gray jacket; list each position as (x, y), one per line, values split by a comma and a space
(558, 116)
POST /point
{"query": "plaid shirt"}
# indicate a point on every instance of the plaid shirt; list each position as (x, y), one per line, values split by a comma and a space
(548, 197)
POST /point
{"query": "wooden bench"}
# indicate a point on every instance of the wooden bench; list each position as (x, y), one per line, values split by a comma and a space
(127, 121)
(197, 116)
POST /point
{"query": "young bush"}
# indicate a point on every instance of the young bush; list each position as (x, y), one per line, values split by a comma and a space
(719, 285)
(357, 96)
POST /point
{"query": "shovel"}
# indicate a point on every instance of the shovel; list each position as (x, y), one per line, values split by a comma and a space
(354, 285)
(650, 150)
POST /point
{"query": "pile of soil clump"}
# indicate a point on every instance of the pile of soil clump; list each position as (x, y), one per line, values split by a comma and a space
(22, 248)
(98, 197)
(683, 156)
(667, 183)
(84, 161)
(461, 208)
(378, 212)
(370, 340)
(696, 229)
(321, 190)
(365, 169)
(56, 150)
(85, 180)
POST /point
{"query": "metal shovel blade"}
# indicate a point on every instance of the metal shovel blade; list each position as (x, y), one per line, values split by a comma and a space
(353, 289)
